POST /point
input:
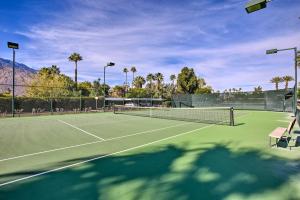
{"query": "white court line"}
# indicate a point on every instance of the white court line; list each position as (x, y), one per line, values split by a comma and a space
(283, 121)
(89, 143)
(51, 150)
(97, 158)
(149, 131)
(80, 129)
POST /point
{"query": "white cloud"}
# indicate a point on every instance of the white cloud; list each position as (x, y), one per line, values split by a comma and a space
(149, 36)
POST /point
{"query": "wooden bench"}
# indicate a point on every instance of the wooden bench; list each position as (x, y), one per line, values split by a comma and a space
(279, 132)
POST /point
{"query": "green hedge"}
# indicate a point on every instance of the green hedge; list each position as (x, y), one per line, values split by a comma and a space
(68, 104)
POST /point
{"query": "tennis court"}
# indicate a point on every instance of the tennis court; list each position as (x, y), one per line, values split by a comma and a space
(108, 156)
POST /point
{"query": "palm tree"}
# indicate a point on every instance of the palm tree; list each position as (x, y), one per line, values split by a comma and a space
(173, 78)
(139, 81)
(150, 77)
(287, 79)
(75, 57)
(276, 80)
(159, 79)
(125, 70)
(133, 70)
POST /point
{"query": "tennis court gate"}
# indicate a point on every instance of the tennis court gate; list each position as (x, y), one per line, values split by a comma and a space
(272, 100)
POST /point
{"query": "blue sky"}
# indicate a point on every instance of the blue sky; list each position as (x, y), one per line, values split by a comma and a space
(223, 43)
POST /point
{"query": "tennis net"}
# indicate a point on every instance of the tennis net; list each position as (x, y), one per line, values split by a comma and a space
(211, 115)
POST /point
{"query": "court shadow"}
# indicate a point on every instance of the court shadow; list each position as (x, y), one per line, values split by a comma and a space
(167, 173)
(239, 124)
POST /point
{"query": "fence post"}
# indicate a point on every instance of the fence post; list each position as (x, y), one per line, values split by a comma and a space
(231, 116)
(265, 100)
(80, 103)
(51, 106)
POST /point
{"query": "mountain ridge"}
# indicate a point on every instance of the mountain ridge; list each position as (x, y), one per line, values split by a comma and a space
(23, 76)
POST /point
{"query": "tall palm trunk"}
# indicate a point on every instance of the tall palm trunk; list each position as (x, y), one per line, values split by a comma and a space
(76, 74)
(276, 85)
(286, 85)
(132, 78)
(158, 87)
(126, 82)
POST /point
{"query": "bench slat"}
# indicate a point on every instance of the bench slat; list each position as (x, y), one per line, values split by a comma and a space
(278, 132)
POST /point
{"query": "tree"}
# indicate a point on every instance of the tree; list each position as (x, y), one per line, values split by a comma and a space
(168, 91)
(96, 88)
(287, 79)
(50, 70)
(133, 70)
(150, 78)
(187, 81)
(276, 80)
(159, 77)
(258, 90)
(137, 93)
(173, 78)
(50, 83)
(75, 57)
(138, 82)
(201, 82)
(6, 93)
(86, 88)
(125, 70)
(106, 88)
(118, 91)
(204, 90)
(172, 86)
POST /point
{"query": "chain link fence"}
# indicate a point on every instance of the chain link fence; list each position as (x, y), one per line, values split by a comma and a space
(272, 100)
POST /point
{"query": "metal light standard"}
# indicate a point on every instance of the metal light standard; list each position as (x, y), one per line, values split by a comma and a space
(273, 51)
(13, 46)
(110, 64)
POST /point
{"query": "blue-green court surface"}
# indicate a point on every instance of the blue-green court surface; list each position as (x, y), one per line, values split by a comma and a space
(110, 156)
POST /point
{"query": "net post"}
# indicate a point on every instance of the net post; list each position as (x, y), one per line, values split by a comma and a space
(231, 116)
(114, 109)
(51, 106)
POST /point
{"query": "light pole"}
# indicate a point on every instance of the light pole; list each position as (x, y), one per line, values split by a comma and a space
(273, 51)
(110, 64)
(13, 46)
(255, 5)
(96, 98)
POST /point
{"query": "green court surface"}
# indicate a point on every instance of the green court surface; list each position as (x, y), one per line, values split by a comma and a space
(114, 156)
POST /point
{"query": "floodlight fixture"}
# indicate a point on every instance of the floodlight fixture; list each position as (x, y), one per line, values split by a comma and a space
(110, 64)
(12, 45)
(271, 51)
(255, 5)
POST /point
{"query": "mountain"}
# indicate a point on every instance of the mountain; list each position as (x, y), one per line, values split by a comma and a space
(23, 75)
